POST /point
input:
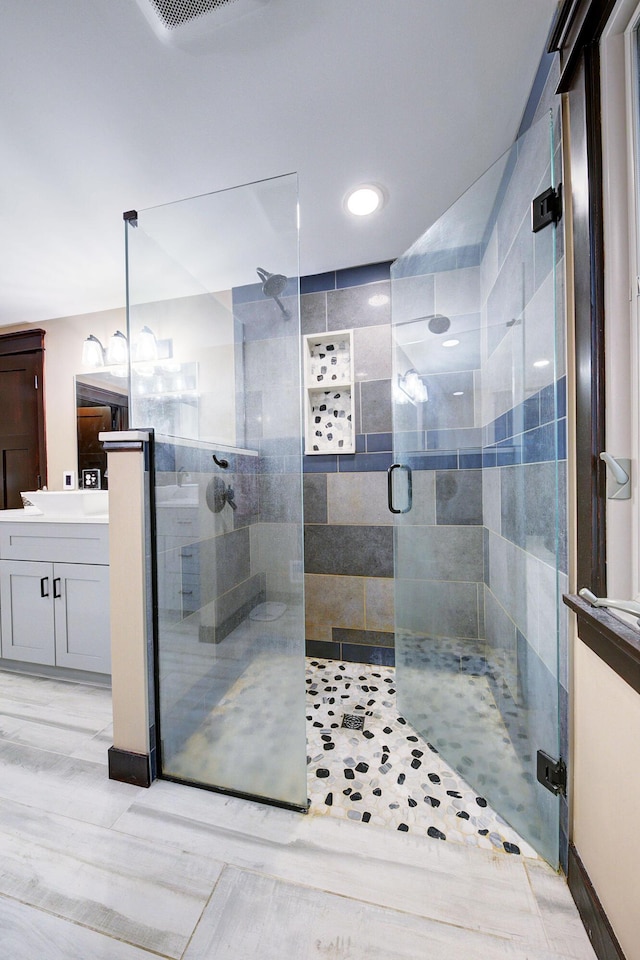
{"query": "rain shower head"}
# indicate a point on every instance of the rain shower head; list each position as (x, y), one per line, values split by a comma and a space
(438, 323)
(273, 284)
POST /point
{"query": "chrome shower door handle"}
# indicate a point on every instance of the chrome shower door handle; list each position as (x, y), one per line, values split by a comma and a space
(390, 472)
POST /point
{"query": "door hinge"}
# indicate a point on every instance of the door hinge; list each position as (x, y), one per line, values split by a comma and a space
(551, 773)
(546, 208)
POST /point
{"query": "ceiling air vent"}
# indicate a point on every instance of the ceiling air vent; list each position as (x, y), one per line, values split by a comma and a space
(193, 20)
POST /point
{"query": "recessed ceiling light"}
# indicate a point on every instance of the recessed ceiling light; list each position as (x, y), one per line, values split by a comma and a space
(364, 200)
(541, 363)
(458, 393)
(450, 343)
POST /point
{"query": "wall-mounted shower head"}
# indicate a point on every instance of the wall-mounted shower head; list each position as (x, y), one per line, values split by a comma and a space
(273, 284)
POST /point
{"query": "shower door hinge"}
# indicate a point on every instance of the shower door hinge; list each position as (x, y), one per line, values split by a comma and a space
(546, 208)
(551, 773)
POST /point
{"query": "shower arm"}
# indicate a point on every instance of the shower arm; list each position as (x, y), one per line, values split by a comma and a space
(285, 312)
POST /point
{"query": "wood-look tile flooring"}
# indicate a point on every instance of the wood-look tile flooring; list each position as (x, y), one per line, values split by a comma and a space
(91, 869)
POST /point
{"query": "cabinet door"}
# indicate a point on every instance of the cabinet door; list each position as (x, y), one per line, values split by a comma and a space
(26, 611)
(83, 638)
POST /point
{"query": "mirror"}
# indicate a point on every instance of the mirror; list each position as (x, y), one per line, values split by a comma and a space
(102, 404)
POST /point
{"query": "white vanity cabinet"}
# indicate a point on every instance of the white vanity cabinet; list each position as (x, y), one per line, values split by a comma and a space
(54, 594)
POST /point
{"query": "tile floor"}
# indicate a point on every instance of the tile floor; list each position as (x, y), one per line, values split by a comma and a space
(95, 869)
(386, 774)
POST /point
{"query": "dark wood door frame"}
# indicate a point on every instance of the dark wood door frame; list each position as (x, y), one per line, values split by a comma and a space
(576, 38)
(31, 342)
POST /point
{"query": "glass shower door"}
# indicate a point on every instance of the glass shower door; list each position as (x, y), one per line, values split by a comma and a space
(478, 431)
(214, 332)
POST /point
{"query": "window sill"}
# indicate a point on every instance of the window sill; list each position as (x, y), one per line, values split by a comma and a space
(610, 638)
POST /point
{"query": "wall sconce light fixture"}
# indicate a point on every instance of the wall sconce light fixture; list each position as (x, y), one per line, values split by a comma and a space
(146, 349)
(118, 349)
(410, 388)
(92, 352)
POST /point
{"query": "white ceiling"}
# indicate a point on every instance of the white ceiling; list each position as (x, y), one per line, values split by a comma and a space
(98, 115)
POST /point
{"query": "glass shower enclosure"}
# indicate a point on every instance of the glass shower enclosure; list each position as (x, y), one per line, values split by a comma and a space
(479, 486)
(214, 334)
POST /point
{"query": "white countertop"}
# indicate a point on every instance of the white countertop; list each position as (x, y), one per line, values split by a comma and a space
(23, 516)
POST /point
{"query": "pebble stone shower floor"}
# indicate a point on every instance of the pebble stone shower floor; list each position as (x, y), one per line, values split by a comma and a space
(385, 774)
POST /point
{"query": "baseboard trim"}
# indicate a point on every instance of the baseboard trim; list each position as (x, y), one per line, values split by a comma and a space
(128, 767)
(595, 920)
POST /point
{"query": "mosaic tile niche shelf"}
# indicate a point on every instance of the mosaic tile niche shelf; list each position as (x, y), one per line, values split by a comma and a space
(329, 389)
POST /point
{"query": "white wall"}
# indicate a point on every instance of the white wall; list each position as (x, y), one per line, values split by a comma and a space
(606, 787)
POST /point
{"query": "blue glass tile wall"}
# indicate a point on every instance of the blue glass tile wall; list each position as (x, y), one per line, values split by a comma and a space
(528, 433)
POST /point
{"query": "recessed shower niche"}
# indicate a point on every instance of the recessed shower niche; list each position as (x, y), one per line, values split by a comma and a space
(329, 389)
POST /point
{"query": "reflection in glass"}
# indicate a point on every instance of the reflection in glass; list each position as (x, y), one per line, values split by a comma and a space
(226, 411)
(102, 405)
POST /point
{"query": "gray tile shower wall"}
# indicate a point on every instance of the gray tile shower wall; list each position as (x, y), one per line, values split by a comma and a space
(268, 423)
(348, 526)
(524, 459)
(204, 558)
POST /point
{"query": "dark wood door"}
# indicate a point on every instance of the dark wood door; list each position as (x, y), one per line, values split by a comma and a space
(22, 465)
(91, 422)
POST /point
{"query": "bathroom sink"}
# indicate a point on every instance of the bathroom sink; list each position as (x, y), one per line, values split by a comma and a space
(69, 503)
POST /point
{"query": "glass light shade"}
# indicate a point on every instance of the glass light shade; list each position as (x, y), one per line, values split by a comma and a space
(117, 351)
(410, 388)
(146, 345)
(399, 394)
(415, 387)
(92, 352)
